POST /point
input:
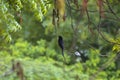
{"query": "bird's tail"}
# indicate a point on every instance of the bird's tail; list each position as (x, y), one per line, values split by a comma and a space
(63, 56)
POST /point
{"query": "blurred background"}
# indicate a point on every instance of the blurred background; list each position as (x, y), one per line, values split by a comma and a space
(29, 47)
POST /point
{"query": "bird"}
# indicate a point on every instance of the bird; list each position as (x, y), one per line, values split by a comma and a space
(61, 45)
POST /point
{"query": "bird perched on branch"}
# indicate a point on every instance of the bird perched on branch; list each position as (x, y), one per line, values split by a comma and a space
(61, 44)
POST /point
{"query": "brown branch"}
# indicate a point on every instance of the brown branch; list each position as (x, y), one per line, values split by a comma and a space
(100, 5)
(84, 5)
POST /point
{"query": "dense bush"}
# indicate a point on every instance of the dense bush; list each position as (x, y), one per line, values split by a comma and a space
(40, 62)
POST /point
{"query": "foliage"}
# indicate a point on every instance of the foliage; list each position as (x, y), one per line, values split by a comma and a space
(13, 8)
(116, 47)
(27, 25)
(48, 64)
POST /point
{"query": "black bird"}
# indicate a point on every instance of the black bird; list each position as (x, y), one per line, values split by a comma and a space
(61, 44)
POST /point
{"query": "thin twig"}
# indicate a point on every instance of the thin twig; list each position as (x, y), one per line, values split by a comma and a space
(108, 4)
